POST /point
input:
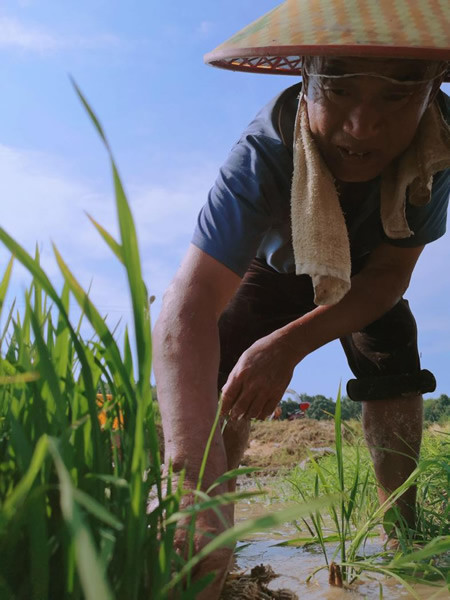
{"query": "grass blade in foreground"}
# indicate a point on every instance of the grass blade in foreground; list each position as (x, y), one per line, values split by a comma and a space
(4, 283)
(141, 314)
(93, 582)
(35, 269)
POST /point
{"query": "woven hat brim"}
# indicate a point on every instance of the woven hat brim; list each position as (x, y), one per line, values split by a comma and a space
(275, 43)
(287, 60)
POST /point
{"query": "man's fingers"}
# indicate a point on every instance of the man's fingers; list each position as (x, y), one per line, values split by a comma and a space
(248, 404)
(241, 405)
(230, 392)
(267, 409)
(250, 401)
(237, 397)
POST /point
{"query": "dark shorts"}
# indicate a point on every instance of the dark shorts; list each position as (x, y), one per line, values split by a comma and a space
(267, 300)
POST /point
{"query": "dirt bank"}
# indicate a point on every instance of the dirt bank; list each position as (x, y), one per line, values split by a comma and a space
(275, 444)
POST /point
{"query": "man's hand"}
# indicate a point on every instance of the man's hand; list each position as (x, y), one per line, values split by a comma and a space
(259, 379)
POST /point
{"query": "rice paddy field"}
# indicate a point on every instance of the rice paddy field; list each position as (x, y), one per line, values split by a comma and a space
(80, 458)
(351, 533)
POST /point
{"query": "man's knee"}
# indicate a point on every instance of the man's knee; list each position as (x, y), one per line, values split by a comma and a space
(393, 427)
(385, 359)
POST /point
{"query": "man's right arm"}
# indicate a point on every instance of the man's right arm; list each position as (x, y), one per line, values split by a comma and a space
(186, 362)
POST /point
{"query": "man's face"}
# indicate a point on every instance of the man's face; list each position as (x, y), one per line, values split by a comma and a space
(362, 123)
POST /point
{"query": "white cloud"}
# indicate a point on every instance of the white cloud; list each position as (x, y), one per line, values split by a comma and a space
(30, 38)
(174, 205)
(15, 35)
(43, 201)
(165, 217)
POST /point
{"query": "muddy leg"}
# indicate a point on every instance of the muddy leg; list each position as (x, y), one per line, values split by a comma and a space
(393, 432)
(235, 438)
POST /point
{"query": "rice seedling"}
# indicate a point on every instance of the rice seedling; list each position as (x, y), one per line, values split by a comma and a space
(353, 485)
(434, 486)
(344, 532)
(79, 451)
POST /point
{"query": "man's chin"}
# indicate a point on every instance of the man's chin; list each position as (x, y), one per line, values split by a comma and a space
(356, 179)
(356, 174)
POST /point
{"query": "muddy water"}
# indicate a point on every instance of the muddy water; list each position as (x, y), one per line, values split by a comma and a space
(294, 565)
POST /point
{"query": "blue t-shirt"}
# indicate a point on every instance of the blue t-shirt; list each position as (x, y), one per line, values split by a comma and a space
(247, 214)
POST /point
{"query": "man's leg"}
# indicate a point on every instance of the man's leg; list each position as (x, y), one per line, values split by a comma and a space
(235, 438)
(393, 432)
(381, 356)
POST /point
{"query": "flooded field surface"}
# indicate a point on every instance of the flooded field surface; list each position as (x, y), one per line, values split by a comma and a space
(294, 565)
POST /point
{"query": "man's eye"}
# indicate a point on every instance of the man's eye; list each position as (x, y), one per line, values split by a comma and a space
(337, 91)
(397, 97)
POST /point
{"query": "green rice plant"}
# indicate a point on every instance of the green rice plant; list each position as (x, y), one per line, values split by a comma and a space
(345, 473)
(74, 488)
(343, 533)
(57, 401)
(428, 565)
(433, 514)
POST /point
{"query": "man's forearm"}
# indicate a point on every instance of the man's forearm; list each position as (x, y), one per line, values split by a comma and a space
(186, 358)
(372, 294)
(262, 374)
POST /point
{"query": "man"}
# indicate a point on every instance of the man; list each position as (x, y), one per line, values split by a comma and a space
(246, 306)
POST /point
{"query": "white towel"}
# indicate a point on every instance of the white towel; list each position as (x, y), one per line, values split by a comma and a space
(319, 232)
(411, 175)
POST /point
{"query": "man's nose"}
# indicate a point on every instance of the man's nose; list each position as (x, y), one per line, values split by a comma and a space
(363, 121)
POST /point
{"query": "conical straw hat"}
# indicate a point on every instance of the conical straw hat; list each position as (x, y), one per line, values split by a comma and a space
(275, 43)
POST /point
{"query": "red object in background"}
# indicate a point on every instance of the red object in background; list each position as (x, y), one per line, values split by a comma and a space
(299, 413)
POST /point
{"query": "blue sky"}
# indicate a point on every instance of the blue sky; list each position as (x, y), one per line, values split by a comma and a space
(171, 121)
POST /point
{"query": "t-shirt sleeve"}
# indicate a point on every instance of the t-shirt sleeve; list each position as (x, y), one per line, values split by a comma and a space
(244, 202)
(428, 222)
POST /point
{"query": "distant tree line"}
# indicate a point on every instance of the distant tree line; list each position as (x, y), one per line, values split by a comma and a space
(437, 410)
(321, 408)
